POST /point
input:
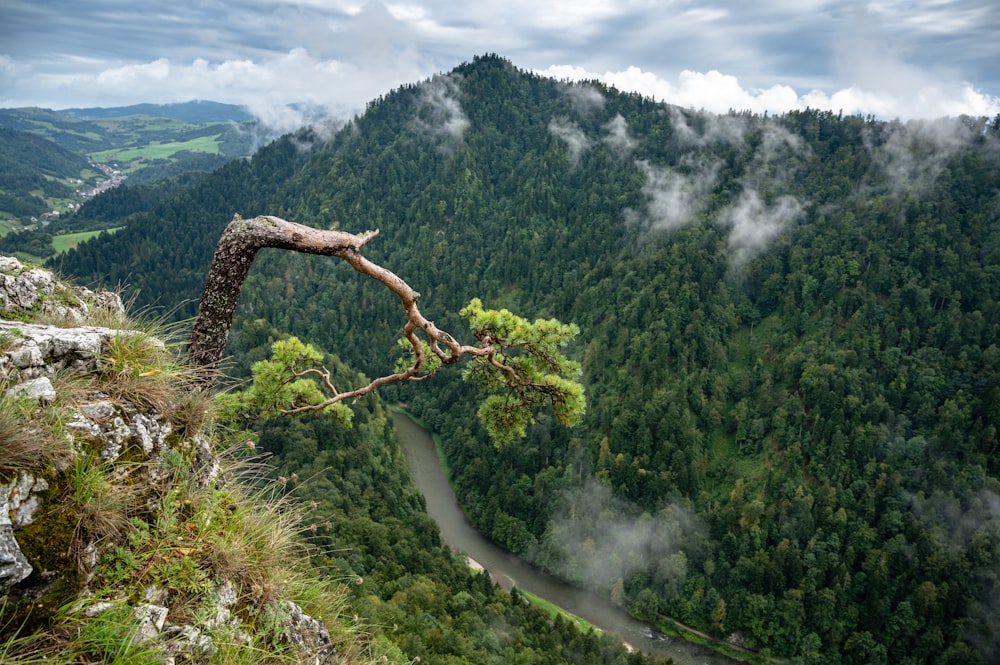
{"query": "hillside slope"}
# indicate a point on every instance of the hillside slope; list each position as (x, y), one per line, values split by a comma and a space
(140, 524)
(194, 111)
(35, 172)
(126, 536)
(790, 334)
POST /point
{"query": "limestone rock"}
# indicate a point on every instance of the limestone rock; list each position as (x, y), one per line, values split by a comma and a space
(309, 636)
(33, 350)
(10, 265)
(18, 504)
(38, 390)
(97, 608)
(37, 290)
(150, 432)
(98, 411)
(151, 619)
(114, 427)
(31, 356)
(14, 567)
(16, 293)
(84, 427)
(185, 643)
(18, 501)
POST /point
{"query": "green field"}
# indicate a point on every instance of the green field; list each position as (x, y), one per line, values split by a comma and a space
(158, 150)
(62, 243)
(553, 610)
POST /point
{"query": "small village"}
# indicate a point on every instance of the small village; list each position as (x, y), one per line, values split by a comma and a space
(115, 177)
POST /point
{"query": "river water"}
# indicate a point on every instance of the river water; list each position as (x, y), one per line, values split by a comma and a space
(510, 571)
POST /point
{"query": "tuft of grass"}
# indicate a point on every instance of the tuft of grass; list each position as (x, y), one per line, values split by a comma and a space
(103, 498)
(110, 637)
(139, 368)
(143, 365)
(9, 339)
(242, 530)
(193, 412)
(157, 524)
(27, 441)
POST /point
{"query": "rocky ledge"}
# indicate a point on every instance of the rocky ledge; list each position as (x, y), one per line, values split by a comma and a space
(51, 553)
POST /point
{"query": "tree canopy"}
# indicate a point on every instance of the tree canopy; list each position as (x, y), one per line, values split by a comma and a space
(789, 334)
(515, 356)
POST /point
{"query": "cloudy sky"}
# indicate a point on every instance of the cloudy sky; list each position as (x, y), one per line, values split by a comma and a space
(890, 58)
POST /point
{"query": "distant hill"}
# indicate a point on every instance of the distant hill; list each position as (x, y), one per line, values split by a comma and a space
(193, 111)
(73, 134)
(148, 141)
(172, 128)
(47, 158)
(35, 174)
(24, 150)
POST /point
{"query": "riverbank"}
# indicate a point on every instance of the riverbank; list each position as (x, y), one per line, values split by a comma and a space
(676, 629)
(511, 572)
(552, 609)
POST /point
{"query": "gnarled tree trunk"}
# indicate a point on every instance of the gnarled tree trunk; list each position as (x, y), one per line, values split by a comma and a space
(234, 255)
(541, 374)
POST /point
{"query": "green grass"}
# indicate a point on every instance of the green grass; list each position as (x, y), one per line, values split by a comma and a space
(159, 526)
(25, 257)
(158, 150)
(68, 241)
(554, 610)
(672, 629)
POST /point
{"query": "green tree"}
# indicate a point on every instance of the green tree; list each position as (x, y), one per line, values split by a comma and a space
(513, 355)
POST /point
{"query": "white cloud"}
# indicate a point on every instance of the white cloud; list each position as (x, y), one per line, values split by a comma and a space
(925, 58)
(571, 134)
(617, 135)
(674, 198)
(265, 87)
(440, 114)
(598, 538)
(719, 93)
(572, 16)
(585, 98)
(913, 155)
(754, 225)
(711, 129)
(295, 72)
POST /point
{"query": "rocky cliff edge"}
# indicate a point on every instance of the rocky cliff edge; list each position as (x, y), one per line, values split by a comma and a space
(123, 536)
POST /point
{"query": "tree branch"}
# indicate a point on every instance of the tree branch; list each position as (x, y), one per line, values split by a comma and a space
(234, 255)
(537, 373)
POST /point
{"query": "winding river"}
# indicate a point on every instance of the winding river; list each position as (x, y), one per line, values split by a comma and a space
(510, 571)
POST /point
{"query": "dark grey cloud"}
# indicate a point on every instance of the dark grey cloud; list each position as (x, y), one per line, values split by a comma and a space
(884, 57)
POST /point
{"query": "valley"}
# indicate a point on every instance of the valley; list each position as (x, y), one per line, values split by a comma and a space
(789, 340)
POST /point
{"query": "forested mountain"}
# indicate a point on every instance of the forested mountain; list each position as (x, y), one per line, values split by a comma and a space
(790, 334)
(73, 134)
(368, 519)
(152, 142)
(33, 169)
(193, 111)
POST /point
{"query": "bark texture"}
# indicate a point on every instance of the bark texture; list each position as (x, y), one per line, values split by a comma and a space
(536, 372)
(234, 255)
